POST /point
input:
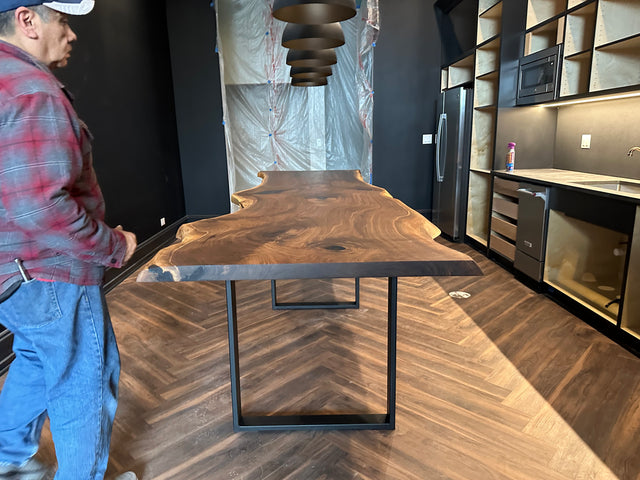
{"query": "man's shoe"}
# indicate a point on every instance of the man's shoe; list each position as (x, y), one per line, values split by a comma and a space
(126, 476)
(32, 470)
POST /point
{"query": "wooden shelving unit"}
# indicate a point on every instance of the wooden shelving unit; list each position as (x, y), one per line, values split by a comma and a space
(486, 86)
(578, 44)
(478, 206)
(616, 55)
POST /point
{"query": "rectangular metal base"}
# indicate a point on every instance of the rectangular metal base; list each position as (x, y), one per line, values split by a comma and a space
(315, 422)
(275, 305)
(373, 421)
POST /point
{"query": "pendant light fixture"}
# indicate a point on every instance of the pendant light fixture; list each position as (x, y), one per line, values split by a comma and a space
(312, 37)
(311, 58)
(314, 82)
(314, 12)
(306, 72)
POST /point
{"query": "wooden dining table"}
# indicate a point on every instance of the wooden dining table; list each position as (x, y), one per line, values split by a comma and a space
(309, 224)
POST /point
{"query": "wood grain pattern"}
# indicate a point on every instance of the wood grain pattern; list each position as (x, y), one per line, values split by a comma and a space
(320, 224)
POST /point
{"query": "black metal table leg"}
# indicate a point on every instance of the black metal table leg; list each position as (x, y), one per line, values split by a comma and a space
(373, 421)
(275, 305)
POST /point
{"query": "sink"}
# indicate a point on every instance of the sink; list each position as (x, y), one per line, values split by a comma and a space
(616, 185)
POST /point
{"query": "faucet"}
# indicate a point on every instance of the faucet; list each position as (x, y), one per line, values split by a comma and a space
(631, 150)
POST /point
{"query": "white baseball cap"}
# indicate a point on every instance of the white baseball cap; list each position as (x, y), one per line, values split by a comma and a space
(70, 7)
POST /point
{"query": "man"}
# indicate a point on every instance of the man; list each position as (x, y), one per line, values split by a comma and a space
(54, 245)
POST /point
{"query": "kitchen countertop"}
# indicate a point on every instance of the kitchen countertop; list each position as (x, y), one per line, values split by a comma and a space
(570, 179)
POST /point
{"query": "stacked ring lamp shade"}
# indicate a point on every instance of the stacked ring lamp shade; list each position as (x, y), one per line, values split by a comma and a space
(312, 37)
(307, 72)
(313, 31)
(314, 12)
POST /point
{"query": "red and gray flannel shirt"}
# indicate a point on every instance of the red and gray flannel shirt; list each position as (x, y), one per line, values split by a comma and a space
(51, 207)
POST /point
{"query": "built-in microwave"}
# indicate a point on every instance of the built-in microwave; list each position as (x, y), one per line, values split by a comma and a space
(539, 76)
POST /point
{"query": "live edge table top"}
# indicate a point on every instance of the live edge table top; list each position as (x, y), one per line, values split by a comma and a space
(317, 224)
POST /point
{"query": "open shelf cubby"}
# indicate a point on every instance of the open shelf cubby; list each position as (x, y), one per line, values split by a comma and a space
(478, 211)
(574, 3)
(484, 5)
(461, 72)
(543, 37)
(617, 20)
(489, 23)
(575, 74)
(539, 11)
(486, 90)
(488, 58)
(580, 26)
(482, 134)
(616, 65)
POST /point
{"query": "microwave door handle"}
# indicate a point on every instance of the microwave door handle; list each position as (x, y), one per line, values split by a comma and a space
(441, 151)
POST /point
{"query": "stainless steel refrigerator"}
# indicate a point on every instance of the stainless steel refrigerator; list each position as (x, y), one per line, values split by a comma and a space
(451, 171)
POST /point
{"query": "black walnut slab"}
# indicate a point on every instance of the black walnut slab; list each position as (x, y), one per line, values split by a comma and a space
(318, 224)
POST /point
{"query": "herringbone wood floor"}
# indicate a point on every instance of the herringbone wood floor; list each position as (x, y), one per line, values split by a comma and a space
(502, 385)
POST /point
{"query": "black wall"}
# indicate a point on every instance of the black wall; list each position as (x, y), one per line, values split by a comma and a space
(120, 74)
(196, 76)
(406, 83)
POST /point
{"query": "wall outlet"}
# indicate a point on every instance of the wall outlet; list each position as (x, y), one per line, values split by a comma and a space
(427, 139)
(586, 141)
(162, 222)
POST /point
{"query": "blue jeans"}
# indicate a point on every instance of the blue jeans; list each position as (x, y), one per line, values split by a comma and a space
(67, 367)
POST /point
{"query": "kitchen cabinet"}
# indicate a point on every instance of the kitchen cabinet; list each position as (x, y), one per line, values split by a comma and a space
(588, 247)
(631, 312)
(601, 42)
(586, 262)
(504, 218)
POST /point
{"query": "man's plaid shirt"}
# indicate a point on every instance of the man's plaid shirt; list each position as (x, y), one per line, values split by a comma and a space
(51, 206)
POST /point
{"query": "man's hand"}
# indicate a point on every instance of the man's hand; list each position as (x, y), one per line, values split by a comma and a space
(131, 242)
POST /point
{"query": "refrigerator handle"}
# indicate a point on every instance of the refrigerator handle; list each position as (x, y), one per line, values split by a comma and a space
(441, 151)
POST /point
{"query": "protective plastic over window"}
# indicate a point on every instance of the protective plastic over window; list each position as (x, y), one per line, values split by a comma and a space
(272, 125)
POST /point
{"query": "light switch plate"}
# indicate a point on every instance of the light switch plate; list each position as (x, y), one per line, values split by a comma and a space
(586, 141)
(427, 139)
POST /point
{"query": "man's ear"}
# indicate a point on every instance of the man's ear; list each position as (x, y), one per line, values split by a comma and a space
(27, 22)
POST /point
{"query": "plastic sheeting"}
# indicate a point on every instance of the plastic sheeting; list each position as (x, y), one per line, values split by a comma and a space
(270, 125)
